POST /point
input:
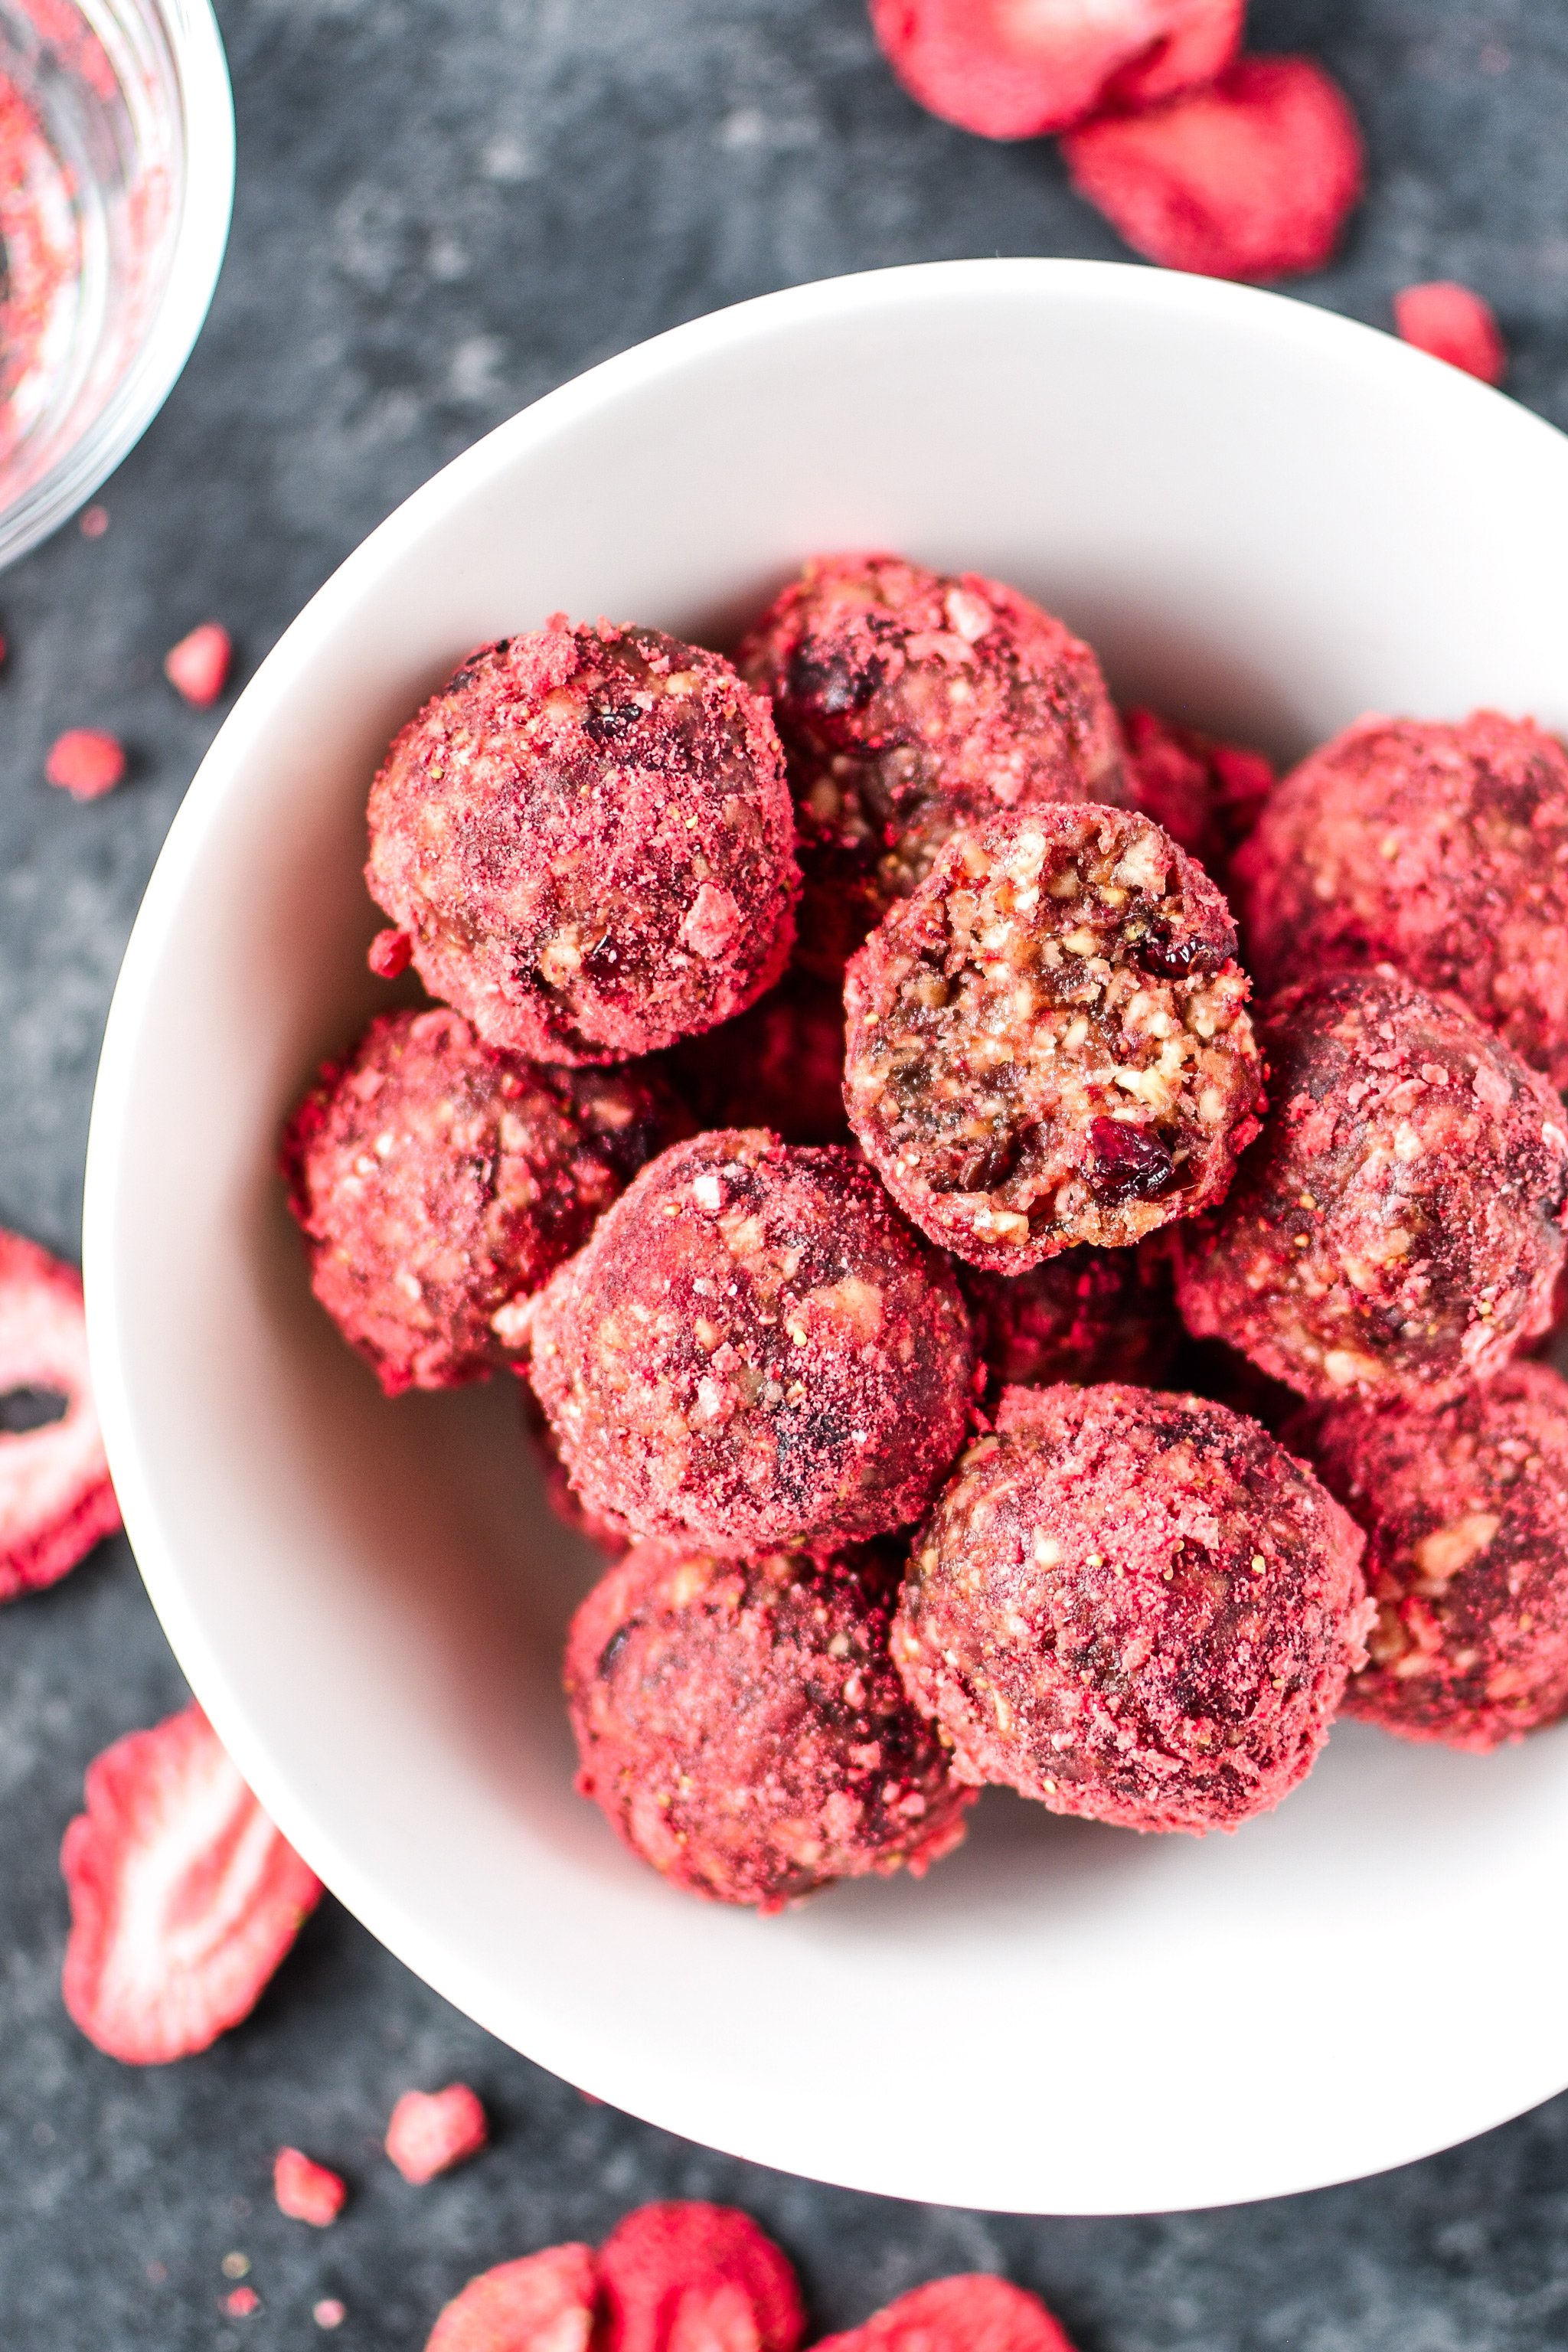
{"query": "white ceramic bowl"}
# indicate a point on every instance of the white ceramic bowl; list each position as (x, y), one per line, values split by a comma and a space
(1267, 519)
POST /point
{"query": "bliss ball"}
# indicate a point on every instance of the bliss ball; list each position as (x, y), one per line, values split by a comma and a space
(911, 703)
(1134, 1607)
(1048, 1042)
(780, 1066)
(585, 840)
(741, 1726)
(1442, 850)
(1088, 1315)
(439, 1180)
(754, 1350)
(1397, 1230)
(1466, 1511)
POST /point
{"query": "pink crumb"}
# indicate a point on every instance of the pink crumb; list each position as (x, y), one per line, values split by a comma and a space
(390, 953)
(198, 667)
(305, 2191)
(241, 2302)
(94, 522)
(85, 762)
(329, 2311)
(1453, 324)
(430, 2131)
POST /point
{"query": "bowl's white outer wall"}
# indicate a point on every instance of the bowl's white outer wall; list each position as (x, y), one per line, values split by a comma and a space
(1262, 515)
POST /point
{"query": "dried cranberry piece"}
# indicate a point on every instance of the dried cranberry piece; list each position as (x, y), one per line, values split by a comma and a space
(1129, 1163)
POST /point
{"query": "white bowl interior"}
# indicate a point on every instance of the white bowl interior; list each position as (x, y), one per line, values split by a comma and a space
(1267, 519)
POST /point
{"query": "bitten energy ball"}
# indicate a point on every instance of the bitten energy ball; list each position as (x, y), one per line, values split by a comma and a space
(439, 1181)
(1049, 1044)
(1134, 1607)
(741, 1726)
(780, 1066)
(754, 1349)
(586, 840)
(1441, 850)
(1088, 1315)
(911, 704)
(1398, 1231)
(1465, 1510)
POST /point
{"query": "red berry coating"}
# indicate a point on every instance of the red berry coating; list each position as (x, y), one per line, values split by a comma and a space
(86, 762)
(546, 2303)
(1008, 71)
(1207, 794)
(184, 1898)
(430, 2131)
(56, 1498)
(1465, 1510)
(1048, 1042)
(1453, 324)
(1397, 1230)
(1134, 1607)
(1088, 1315)
(912, 702)
(587, 837)
(439, 1181)
(1254, 178)
(780, 1066)
(1440, 849)
(754, 1348)
(742, 1727)
(972, 2313)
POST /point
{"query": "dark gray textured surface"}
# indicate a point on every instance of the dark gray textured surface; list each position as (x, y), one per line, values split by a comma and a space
(447, 207)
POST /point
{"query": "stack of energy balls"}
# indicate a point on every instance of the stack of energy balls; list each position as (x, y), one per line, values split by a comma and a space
(845, 1104)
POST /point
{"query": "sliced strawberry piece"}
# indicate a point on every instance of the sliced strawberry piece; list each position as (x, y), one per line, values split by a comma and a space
(56, 1500)
(687, 2277)
(1252, 179)
(1015, 69)
(198, 667)
(305, 2191)
(546, 2303)
(183, 1896)
(972, 2313)
(1455, 325)
(85, 762)
(430, 2131)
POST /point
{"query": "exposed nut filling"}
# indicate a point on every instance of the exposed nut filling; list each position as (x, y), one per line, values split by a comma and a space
(587, 844)
(1398, 1229)
(754, 1349)
(1049, 1044)
(910, 704)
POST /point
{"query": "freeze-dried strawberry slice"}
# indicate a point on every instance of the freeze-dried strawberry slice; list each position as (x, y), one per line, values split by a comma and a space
(972, 2313)
(688, 2277)
(1014, 68)
(183, 1896)
(305, 2191)
(55, 1500)
(1453, 324)
(1252, 179)
(198, 667)
(546, 2303)
(430, 2131)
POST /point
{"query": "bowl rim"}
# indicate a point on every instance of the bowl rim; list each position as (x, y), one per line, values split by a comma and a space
(205, 97)
(551, 2041)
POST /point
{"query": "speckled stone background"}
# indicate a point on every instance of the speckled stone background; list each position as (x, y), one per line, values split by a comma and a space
(447, 207)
